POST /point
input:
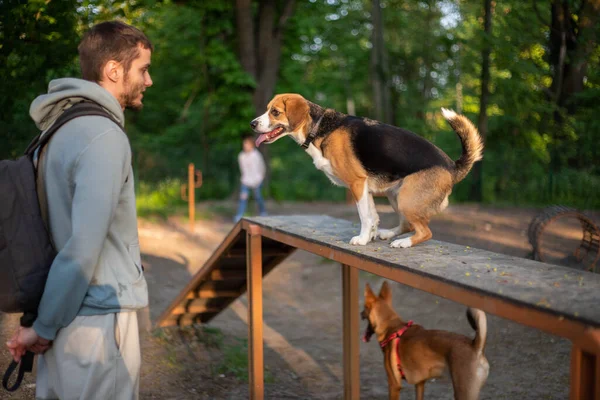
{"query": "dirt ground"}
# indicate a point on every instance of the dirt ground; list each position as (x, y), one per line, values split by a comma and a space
(302, 311)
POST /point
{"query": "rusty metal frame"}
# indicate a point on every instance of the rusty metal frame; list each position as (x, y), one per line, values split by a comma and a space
(585, 360)
(590, 241)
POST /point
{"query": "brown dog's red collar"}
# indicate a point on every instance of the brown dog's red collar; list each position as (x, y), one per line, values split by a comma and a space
(397, 335)
(312, 134)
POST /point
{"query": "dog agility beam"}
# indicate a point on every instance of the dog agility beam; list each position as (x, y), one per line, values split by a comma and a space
(554, 299)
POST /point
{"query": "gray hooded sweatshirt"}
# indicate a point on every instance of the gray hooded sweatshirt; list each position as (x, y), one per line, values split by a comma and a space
(88, 179)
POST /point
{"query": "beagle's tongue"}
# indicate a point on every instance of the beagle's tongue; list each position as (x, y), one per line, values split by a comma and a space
(262, 138)
(269, 136)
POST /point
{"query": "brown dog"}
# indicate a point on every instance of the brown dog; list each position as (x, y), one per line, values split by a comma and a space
(370, 157)
(416, 354)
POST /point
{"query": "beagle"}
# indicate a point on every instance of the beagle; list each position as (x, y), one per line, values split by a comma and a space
(370, 157)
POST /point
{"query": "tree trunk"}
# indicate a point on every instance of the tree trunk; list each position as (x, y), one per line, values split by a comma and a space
(572, 40)
(260, 52)
(379, 69)
(245, 34)
(482, 122)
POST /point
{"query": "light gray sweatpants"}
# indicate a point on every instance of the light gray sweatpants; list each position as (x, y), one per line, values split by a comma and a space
(96, 357)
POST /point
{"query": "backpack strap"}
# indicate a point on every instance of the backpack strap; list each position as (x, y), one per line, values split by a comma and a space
(82, 109)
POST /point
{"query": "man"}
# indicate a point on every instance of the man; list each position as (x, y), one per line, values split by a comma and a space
(252, 169)
(87, 325)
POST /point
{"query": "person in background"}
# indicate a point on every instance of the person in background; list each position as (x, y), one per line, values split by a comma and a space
(252, 169)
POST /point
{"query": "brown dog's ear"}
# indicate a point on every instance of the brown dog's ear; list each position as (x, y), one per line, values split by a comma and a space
(369, 295)
(385, 293)
(296, 111)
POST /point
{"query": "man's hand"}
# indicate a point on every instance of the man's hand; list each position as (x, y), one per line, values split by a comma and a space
(26, 339)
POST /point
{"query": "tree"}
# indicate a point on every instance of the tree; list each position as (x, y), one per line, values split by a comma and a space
(482, 121)
(38, 41)
(379, 68)
(260, 49)
(573, 37)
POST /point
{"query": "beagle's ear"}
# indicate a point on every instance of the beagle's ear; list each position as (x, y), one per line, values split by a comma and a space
(369, 295)
(296, 111)
(385, 293)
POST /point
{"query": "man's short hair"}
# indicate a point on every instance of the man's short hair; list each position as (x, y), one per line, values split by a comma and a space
(112, 40)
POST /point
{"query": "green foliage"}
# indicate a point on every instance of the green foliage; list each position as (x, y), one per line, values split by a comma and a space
(159, 199)
(38, 42)
(201, 104)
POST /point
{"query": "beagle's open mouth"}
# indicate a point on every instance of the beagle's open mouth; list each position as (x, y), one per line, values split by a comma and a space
(270, 136)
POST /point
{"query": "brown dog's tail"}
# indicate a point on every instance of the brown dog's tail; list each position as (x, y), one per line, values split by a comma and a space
(472, 144)
(478, 322)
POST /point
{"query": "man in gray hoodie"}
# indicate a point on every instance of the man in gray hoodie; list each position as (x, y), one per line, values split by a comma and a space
(87, 326)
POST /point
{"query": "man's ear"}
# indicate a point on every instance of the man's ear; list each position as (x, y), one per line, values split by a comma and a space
(385, 293)
(369, 295)
(113, 71)
(296, 111)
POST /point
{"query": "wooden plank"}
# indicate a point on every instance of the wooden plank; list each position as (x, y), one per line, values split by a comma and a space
(350, 326)
(213, 294)
(171, 321)
(552, 290)
(255, 313)
(267, 252)
(187, 319)
(197, 306)
(219, 275)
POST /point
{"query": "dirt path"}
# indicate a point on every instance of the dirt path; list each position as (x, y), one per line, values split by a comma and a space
(302, 310)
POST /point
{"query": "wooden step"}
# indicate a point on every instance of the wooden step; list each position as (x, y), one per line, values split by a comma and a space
(220, 275)
(212, 294)
(196, 306)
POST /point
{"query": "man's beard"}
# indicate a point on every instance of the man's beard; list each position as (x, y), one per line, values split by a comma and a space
(132, 92)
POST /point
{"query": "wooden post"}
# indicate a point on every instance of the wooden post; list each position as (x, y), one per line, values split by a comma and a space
(191, 195)
(585, 375)
(255, 312)
(351, 339)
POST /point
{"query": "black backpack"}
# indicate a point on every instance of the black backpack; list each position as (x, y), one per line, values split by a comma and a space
(26, 249)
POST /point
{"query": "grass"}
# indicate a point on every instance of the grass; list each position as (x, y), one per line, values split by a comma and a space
(211, 337)
(235, 362)
(233, 357)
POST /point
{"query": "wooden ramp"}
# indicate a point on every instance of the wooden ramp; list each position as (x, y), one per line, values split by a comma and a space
(549, 289)
(221, 280)
(554, 299)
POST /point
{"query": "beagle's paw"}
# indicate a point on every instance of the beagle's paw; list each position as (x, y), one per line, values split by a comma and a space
(385, 234)
(359, 240)
(402, 243)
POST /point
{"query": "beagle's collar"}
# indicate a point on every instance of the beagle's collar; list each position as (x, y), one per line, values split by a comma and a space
(313, 133)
